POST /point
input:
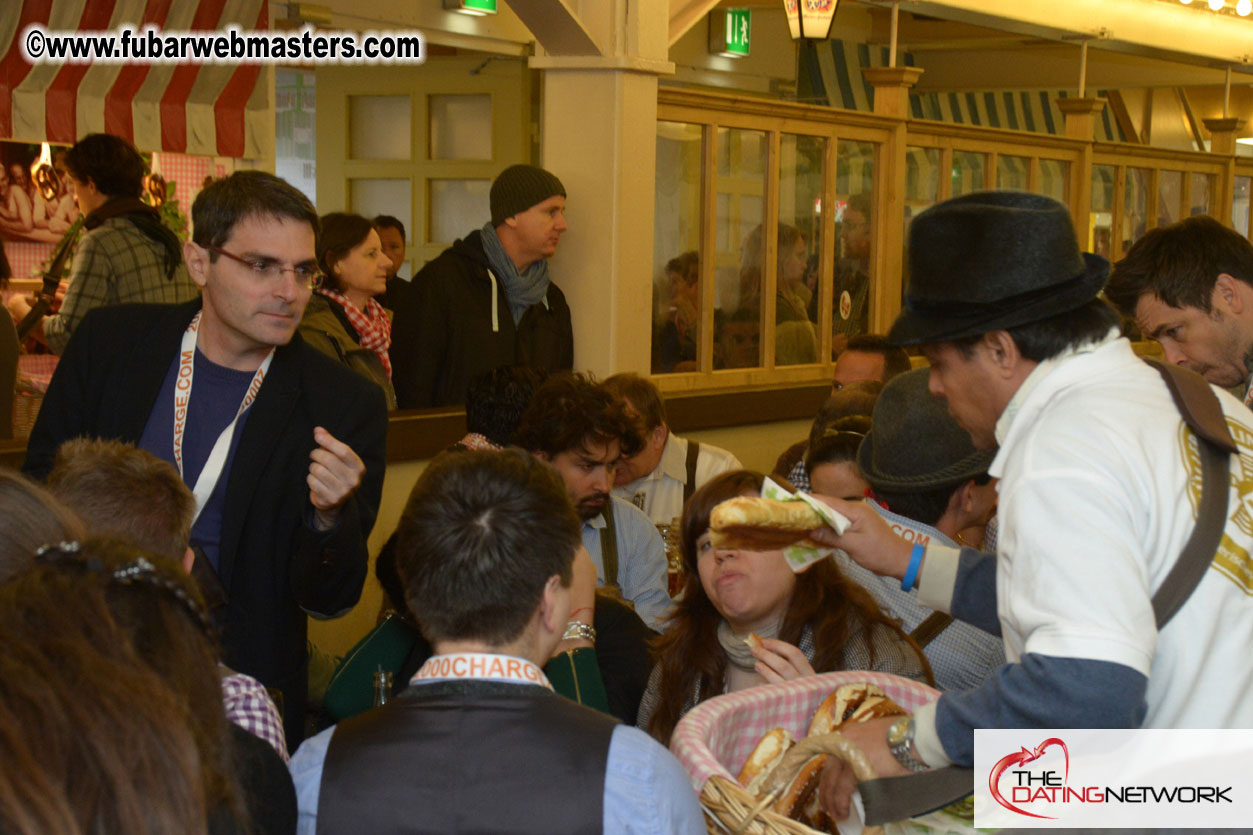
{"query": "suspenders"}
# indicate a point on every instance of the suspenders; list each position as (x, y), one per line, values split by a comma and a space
(609, 546)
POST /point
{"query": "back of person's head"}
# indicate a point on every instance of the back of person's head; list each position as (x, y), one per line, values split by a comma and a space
(853, 399)
(895, 360)
(122, 491)
(229, 200)
(30, 517)
(640, 395)
(339, 233)
(127, 652)
(156, 606)
(497, 399)
(110, 162)
(569, 411)
(916, 455)
(388, 222)
(481, 536)
(1180, 264)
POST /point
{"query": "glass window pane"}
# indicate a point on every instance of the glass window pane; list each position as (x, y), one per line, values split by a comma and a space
(372, 197)
(676, 248)
(1169, 197)
(1101, 219)
(854, 273)
(1012, 172)
(1240, 205)
(461, 127)
(295, 157)
(968, 172)
(456, 207)
(1202, 187)
(740, 259)
(800, 227)
(378, 127)
(1135, 201)
(1054, 179)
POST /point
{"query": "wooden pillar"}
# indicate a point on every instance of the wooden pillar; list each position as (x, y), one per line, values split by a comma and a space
(1080, 117)
(891, 99)
(1223, 143)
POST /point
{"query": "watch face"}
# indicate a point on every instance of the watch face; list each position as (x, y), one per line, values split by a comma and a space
(899, 731)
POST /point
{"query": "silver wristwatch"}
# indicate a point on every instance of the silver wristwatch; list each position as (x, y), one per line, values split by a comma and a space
(901, 744)
(578, 629)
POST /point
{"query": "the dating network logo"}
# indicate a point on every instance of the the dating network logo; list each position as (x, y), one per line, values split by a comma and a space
(1047, 780)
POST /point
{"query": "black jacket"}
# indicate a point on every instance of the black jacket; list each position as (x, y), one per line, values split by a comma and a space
(443, 336)
(273, 566)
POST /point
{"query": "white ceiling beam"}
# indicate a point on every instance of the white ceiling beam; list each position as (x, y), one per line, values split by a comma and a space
(684, 14)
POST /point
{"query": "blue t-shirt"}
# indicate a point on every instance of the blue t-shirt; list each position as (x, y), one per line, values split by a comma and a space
(216, 394)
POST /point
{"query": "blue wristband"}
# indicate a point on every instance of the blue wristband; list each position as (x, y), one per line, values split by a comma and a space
(915, 561)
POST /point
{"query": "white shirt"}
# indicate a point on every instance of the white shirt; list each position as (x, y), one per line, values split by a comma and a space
(660, 493)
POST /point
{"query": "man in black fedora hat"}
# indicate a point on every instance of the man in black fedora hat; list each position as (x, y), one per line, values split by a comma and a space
(1099, 485)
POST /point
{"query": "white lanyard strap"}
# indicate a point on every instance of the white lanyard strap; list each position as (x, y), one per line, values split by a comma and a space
(214, 464)
(481, 666)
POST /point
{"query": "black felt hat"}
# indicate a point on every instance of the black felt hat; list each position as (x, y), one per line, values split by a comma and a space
(914, 444)
(992, 260)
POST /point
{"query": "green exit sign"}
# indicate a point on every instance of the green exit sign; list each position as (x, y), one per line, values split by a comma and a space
(729, 31)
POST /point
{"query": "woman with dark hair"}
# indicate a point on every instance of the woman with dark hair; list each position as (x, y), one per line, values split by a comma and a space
(831, 461)
(123, 595)
(343, 319)
(817, 621)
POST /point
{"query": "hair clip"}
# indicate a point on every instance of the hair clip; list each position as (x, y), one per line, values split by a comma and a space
(60, 548)
(134, 571)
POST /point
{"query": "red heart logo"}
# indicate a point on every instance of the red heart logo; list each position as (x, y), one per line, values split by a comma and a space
(1020, 758)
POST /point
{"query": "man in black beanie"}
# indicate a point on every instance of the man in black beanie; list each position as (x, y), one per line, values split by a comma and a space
(487, 300)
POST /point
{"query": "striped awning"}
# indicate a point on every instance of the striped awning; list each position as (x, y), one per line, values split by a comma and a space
(831, 75)
(202, 109)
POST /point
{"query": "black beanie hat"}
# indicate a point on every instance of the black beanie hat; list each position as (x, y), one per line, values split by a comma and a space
(519, 187)
(914, 444)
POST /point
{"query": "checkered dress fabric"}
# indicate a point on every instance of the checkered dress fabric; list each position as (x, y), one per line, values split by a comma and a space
(716, 736)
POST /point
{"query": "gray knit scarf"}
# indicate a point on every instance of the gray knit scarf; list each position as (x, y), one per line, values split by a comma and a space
(737, 651)
(521, 289)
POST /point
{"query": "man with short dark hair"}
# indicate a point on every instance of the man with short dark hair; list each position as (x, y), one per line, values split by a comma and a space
(127, 253)
(851, 315)
(479, 742)
(869, 357)
(929, 483)
(495, 403)
(487, 300)
(582, 432)
(392, 237)
(668, 469)
(282, 446)
(1099, 483)
(1189, 286)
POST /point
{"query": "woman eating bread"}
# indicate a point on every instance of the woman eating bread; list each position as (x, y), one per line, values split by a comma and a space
(746, 619)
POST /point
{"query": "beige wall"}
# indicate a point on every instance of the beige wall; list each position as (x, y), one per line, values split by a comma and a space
(757, 446)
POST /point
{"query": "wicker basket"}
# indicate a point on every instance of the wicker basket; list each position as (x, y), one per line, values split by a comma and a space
(715, 738)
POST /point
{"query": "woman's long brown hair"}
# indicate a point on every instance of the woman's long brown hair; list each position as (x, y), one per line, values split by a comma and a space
(689, 654)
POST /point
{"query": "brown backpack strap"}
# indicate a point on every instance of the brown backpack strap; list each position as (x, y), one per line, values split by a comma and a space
(1200, 409)
(689, 486)
(930, 629)
(609, 546)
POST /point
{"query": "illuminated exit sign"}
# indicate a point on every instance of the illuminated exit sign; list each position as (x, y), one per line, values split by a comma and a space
(729, 31)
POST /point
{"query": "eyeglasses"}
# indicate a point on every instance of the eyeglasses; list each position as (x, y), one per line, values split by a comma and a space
(270, 270)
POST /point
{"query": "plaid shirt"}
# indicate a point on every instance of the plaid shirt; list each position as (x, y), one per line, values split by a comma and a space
(250, 707)
(115, 263)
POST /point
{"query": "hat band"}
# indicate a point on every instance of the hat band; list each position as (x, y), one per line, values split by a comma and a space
(966, 310)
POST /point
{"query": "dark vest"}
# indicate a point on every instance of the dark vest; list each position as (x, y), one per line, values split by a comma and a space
(467, 756)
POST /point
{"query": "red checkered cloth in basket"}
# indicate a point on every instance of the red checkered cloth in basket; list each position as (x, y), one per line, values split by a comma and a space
(717, 735)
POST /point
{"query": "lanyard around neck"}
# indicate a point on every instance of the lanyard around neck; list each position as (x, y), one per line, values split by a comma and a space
(216, 462)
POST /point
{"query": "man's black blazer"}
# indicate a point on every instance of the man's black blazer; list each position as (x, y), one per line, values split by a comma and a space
(273, 566)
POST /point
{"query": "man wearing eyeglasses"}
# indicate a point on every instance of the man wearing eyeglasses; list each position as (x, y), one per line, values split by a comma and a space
(282, 447)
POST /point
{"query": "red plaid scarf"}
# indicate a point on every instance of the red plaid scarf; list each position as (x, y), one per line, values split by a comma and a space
(373, 327)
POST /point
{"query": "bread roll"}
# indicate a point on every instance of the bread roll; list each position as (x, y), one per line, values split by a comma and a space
(755, 524)
(765, 756)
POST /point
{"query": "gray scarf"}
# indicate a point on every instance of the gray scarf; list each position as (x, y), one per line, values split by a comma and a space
(737, 651)
(521, 289)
